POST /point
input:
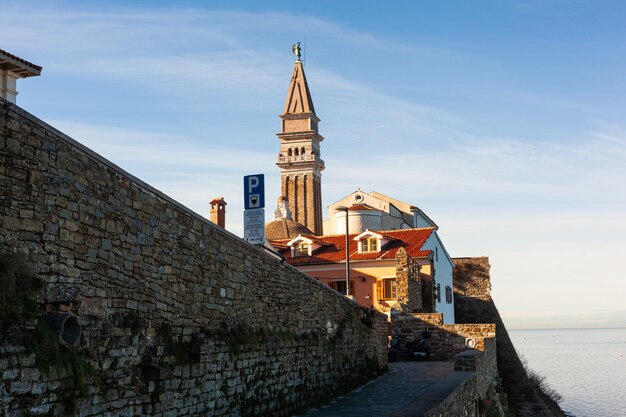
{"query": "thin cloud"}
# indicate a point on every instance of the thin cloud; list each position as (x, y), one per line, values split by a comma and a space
(161, 150)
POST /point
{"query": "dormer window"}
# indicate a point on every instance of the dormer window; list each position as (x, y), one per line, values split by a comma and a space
(302, 249)
(303, 246)
(369, 244)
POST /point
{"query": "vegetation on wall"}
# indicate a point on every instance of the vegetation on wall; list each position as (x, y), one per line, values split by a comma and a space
(133, 322)
(49, 354)
(19, 312)
(540, 385)
(179, 350)
(241, 337)
(18, 294)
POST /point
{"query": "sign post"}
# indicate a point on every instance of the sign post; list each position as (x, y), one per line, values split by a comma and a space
(254, 213)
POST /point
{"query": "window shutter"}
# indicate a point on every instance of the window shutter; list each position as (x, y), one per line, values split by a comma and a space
(379, 289)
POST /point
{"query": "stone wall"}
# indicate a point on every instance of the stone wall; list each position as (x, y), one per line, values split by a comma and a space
(446, 339)
(460, 403)
(483, 362)
(471, 277)
(179, 317)
(465, 400)
(409, 283)
(429, 318)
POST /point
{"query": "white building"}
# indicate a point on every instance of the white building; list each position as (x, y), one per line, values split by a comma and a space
(377, 212)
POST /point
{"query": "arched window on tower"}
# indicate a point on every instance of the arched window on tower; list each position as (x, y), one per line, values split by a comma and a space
(289, 152)
(302, 151)
(295, 152)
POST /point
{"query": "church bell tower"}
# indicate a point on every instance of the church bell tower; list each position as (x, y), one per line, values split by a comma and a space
(299, 158)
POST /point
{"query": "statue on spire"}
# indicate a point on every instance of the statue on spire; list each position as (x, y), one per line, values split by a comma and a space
(296, 50)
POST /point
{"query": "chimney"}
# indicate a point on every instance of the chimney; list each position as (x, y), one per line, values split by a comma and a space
(12, 68)
(218, 212)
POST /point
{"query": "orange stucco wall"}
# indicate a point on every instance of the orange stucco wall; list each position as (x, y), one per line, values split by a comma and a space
(363, 281)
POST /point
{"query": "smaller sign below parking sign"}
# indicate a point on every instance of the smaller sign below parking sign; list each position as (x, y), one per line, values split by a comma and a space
(254, 226)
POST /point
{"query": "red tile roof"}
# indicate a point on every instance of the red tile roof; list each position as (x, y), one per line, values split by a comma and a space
(37, 68)
(357, 207)
(334, 251)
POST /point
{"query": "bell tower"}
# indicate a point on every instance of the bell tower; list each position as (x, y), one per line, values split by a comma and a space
(299, 158)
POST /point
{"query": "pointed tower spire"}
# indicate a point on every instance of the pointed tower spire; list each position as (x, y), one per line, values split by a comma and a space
(298, 96)
(299, 158)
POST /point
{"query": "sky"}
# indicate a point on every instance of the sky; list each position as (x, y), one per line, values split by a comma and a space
(504, 121)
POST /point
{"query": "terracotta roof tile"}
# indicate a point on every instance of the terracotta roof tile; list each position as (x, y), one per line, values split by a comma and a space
(357, 207)
(411, 240)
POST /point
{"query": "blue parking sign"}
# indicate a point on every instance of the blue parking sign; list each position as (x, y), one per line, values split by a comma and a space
(254, 191)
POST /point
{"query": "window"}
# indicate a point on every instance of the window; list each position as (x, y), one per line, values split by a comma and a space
(386, 289)
(302, 249)
(394, 211)
(369, 244)
(340, 286)
(448, 294)
(438, 293)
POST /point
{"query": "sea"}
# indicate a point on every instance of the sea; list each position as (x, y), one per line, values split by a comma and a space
(586, 366)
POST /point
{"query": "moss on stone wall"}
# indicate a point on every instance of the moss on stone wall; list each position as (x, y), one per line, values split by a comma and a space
(241, 337)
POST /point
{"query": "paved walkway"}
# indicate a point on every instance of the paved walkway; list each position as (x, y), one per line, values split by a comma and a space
(407, 390)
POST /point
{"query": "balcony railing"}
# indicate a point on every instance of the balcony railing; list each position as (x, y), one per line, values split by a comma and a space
(296, 158)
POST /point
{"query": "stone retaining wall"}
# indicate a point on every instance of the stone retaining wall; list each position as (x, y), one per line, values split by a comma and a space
(446, 339)
(483, 362)
(466, 399)
(179, 317)
(460, 403)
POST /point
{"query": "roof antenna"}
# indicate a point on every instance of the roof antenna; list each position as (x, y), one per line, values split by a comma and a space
(304, 50)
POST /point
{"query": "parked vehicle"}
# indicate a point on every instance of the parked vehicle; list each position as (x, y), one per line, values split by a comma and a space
(418, 349)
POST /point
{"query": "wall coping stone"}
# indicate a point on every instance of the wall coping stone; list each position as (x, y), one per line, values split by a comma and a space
(469, 352)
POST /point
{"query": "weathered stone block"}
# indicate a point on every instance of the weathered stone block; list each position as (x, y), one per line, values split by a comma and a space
(93, 306)
(21, 387)
(39, 388)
